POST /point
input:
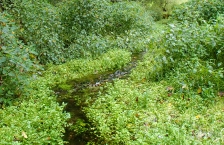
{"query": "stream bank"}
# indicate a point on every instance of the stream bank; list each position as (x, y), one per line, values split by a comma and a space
(74, 94)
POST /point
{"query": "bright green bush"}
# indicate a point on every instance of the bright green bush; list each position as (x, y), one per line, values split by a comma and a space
(83, 67)
(191, 40)
(189, 56)
(37, 120)
(141, 110)
(133, 113)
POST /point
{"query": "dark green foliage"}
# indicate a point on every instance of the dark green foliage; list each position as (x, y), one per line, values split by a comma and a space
(40, 26)
(15, 60)
(94, 27)
(123, 16)
(194, 56)
(100, 17)
(74, 28)
(187, 56)
(81, 17)
(190, 40)
(199, 10)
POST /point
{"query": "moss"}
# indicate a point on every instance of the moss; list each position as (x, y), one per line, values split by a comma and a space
(65, 87)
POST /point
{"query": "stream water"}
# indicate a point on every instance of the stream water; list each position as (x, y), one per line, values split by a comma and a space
(75, 98)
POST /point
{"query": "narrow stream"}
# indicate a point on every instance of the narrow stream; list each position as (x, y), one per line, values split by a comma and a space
(80, 132)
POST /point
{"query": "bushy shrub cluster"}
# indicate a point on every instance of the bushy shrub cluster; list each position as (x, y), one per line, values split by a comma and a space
(74, 28)
(194, 52)
(16, 60)
(199, 11)
(40, 26)
(95, 27)
(133, 113)
(40, 31)
(172, 93)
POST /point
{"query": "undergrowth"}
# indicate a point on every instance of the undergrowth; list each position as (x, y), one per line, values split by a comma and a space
(174, 95)
(41, 120)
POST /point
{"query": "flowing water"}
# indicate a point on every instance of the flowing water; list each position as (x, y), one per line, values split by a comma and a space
(89, 86)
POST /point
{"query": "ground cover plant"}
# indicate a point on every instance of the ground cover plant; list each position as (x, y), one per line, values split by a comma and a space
(172, 92)
(41, 120)
(142, 111)
(173, 96)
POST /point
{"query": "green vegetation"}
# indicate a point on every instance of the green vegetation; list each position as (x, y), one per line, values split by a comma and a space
(173, 96)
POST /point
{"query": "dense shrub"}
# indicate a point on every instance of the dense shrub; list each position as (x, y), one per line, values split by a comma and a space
(81, 17)
(124, 16)
(100, 17)
(39, 26)
(190, 40)
(199, 10)
(16, 60)
(131, 113)
(76, 28)
(194, 57)
(39, 120)
(92, 28)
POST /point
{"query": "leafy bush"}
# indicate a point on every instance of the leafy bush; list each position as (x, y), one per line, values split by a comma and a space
(39, 120)
(35, 117)
(145, 110)
(99, 17)
(83, 67)
(190, 40)
(76, 28)
(199, 11)
(124, 16)
(16, 61)
(40, 26)
(142, 113)
(193, 57)
(93, 27)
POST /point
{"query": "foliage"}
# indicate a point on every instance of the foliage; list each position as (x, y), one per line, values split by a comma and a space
(40, 26)
(77, 29)
(15, 60)
(92, 28)
(125, 16)
(199, 10)
(195, 52)
(170, 97)
(83, 67)
(99, 17)
(142, 113)
(81, 17)
(38, 118)
(160, 9)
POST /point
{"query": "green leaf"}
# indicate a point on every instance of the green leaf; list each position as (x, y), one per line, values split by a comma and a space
(2, 59)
